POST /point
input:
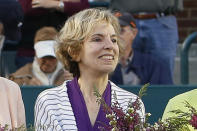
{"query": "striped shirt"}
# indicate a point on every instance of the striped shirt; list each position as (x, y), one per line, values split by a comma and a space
(53, 110)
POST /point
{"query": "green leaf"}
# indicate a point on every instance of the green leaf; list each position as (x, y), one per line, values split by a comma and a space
(143, 90)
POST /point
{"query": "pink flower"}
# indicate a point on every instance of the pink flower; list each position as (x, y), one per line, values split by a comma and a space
(5, 128)
(193, 121)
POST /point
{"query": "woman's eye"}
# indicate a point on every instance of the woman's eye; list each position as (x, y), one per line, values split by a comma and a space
(114, 40)
(97, 39)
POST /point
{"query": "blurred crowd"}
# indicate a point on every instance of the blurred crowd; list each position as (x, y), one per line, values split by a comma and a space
(29, 28)
(149, 34)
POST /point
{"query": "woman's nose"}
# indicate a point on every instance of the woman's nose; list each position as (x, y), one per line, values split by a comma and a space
(108, 44)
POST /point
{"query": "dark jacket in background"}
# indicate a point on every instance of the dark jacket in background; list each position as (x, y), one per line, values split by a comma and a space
(146, 68)
(11, 15)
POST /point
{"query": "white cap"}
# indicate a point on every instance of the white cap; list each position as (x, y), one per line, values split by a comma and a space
(45, 48)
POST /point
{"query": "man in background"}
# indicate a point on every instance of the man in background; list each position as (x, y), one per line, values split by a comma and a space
(157, 27)
(45, 69)
(136, 67)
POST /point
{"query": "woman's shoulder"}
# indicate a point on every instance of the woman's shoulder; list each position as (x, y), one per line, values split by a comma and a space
(121, 92)
(10, 88)
(125, 98)
(8, 83)
(122, 96)
(59, 92)
(186, 96)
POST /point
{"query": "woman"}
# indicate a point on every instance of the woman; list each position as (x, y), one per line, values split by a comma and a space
(89, 48)
(12, 112)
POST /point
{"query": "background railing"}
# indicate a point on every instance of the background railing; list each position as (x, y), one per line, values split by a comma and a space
(155, 100)
(184, 57)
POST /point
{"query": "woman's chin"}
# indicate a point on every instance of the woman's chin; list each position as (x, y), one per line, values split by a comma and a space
(108, 70)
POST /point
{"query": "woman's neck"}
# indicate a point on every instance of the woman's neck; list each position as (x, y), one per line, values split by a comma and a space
(89, 84)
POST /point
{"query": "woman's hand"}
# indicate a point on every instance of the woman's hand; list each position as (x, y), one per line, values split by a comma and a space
(48, 4)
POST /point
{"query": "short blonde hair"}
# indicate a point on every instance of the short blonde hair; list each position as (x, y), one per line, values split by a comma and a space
(76, 29)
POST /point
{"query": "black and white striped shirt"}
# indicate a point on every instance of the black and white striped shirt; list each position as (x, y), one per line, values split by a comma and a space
(53, 111)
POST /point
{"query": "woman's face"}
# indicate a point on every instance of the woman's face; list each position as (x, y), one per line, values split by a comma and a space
(100, 50)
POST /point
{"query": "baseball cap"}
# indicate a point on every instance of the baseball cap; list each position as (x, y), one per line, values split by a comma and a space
(45, 48)
(126, 19)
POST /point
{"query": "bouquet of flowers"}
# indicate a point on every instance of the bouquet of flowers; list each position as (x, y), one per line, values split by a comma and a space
(5, 128)
(129, 119)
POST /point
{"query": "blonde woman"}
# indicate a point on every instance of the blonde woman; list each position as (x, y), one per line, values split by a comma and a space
(89, 47)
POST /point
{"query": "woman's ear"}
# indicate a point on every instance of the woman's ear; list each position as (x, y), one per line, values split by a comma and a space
(75, 56)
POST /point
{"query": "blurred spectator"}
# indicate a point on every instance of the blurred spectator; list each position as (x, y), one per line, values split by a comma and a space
(1, 28)
(157, 25)
(45, 69)
(2, 37)
(11, 16)
(136, 67)
(12, 110)
(40, 13)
